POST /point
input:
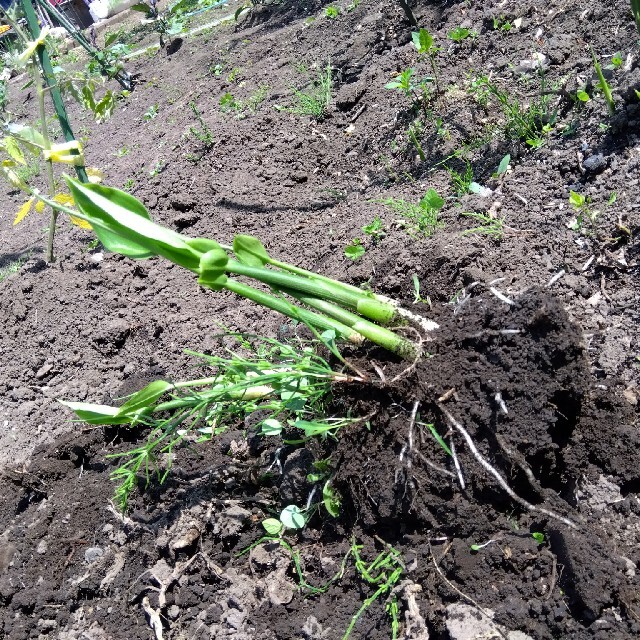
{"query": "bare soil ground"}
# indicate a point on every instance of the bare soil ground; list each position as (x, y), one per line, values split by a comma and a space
(537, 353)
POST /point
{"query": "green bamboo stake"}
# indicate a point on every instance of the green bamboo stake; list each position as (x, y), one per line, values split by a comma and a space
(58, 104)
(50, 81)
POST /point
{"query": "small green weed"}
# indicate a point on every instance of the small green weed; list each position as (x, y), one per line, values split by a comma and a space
(581, 204)
(502, 24)
(489, 226)
(461, 181)
(459, 34)
(417, 297)
(422, 218)
(150, 113)
(332, 12)
(417, 90)
(26, 172)
(316, 99)
(129, 185)
(354, 249)
(375, 230)
(526, 125)
(203, 134)
(424, 43)
(12, 267)
(382, 574)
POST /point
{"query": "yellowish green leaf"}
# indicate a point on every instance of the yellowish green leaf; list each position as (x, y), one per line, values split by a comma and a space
(23, 211)
(11, 147)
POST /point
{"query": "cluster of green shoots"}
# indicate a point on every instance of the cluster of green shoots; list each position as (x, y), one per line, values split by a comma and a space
(287, 385)
(381, 575)
(422, 219)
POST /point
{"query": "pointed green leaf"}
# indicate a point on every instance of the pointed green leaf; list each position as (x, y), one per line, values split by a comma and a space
(422, 40)
(250, 251)
(123, 225)
(96, 413)
(145, 397)
(504, 164)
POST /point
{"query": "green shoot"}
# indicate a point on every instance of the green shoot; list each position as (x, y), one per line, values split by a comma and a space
(416, 292)
(203, 134)
(520, 124)
(459, 34)
(503, 166)
(422, 218)
(582, 95)
(150, 113)
(375, 229)
(603, 85)
(415, 132)
(424, 43)
(617, 60)
(538, 537)
(382, 574)
(582, 206)
(316, 100)
(354, 249)
(461, 181)
(406, 83)
(332, 12)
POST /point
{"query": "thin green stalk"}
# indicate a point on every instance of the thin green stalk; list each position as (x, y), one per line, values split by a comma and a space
(635, 8)
(603, 84)
(49, 164)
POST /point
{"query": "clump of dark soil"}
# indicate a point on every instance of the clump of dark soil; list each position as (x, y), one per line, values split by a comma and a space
(535, 356)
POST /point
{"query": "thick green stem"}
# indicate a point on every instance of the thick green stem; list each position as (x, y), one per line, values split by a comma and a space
(292, 311)
(379, 335)
(326, 289)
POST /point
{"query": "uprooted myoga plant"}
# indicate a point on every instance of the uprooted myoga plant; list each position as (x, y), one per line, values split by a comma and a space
(284, 386)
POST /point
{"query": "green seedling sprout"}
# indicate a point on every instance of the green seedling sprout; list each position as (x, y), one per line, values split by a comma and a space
(603, 85)
(354, 249)
(332, 12)
(422, 217)
(538, 537)
(458, 34)
(489, 226)
(423, 41)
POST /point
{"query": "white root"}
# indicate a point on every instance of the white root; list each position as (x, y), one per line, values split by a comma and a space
(456, 463)
(501, 296)
(556, 277)
(496, 474)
